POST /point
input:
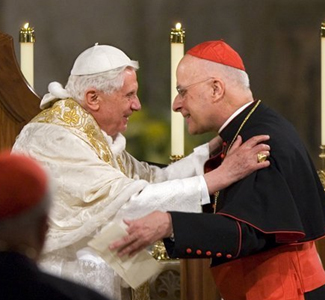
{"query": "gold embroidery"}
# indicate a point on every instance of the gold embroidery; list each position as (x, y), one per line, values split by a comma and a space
(71, 117)
(69, 114)
(120, 163)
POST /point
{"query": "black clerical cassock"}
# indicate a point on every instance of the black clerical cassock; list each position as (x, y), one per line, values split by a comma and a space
(261, 237)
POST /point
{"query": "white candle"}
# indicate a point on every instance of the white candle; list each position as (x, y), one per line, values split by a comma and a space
(27, 39)
(177, 120)
(323, 83)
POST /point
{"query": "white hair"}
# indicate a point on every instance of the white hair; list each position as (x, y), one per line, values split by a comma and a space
(232, 76)
(106, 82)
(236, 77)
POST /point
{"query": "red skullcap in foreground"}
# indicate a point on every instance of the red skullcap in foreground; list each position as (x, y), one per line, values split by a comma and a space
(23, 184)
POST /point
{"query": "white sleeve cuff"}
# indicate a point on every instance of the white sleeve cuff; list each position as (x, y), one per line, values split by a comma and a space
(205, 197)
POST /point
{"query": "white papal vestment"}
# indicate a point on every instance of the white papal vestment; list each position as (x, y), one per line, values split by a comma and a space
(95, 181)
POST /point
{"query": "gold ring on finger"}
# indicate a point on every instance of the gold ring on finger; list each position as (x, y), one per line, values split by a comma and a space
(261, 157)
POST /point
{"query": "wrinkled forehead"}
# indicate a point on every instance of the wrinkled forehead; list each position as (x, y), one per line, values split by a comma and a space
(190, 67)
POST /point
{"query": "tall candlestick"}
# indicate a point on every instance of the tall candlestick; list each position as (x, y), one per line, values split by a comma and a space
(177, 39)
(323, 82)
(27, 40)
(321, 172)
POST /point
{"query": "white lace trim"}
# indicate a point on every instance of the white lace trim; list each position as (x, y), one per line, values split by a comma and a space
(88, 269)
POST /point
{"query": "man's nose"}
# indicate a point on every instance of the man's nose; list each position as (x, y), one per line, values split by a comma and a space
(136, 105)
(177, 103)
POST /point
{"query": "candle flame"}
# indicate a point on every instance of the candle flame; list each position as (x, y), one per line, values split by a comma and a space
(26, 26)
(178, 26)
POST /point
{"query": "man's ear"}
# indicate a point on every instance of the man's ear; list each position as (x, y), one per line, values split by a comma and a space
(218, 89)
(91, 99)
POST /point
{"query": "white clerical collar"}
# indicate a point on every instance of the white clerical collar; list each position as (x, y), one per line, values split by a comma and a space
(236, 113)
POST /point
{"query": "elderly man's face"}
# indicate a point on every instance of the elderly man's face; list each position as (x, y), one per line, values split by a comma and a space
(195, 96)
(116, 108)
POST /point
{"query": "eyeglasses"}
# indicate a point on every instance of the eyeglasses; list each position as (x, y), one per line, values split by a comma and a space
(183, 90)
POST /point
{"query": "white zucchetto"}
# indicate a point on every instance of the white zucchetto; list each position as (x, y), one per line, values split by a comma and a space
(100, 58)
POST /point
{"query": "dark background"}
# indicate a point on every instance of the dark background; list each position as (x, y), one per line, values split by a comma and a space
(279, 41)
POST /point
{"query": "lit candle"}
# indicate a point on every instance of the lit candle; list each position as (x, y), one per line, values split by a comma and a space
(27, 40)
(177, 38)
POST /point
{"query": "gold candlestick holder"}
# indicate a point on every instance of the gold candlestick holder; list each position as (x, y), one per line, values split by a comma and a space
(177, 34)
(27, 34)
(174, 158)
(159, 251)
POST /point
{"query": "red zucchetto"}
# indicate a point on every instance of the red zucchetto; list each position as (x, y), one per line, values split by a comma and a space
(23, 184)
(219, 52)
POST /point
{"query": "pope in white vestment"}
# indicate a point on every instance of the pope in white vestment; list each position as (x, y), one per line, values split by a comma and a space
(96, 182)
